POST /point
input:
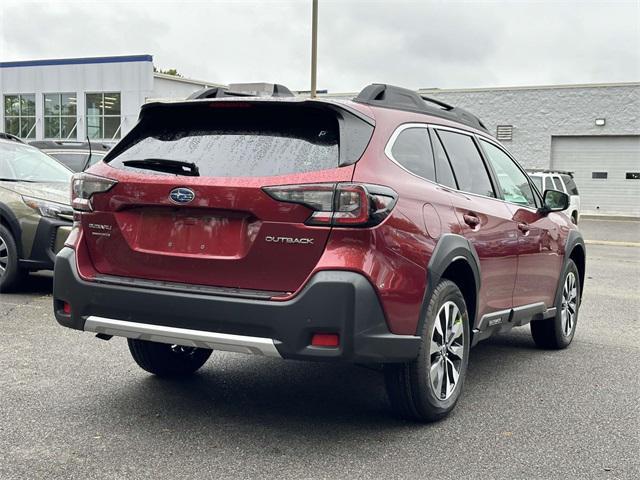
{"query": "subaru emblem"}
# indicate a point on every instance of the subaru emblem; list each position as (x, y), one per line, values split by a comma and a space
(182, 195)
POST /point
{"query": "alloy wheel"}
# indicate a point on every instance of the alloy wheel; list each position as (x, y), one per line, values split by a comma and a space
(446, 352)
(569, 308)
(4, 257)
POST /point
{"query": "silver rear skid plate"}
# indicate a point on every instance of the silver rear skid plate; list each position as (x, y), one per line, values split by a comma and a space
(182, 336)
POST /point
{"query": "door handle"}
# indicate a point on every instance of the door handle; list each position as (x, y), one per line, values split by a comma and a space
(471, 220)
(523, 227)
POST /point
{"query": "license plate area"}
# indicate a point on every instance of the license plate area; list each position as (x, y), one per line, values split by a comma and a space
(192, 232)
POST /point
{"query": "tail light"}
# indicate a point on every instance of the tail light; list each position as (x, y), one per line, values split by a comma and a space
(84, 186)
(341, 204)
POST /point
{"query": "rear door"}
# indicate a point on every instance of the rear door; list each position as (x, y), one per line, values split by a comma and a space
(484, 220)
(219, 228)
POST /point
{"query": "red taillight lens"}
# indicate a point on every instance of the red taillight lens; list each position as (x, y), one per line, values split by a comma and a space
(341, 204)
(83, 186)
(331, 340)
(66, 308)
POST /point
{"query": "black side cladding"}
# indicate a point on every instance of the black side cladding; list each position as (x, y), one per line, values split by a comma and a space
(390, 96)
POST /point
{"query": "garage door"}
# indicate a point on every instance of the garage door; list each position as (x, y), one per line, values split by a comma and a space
(606, 170)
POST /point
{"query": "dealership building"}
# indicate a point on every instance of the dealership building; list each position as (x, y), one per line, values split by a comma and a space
(592, 130)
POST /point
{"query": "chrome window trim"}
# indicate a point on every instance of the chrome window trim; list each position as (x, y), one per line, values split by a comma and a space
(400, 128)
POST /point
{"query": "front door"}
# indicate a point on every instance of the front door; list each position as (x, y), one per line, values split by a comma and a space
(539, 248)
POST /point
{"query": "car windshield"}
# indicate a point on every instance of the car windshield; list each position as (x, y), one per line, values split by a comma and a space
(23, 163)
(537, 181)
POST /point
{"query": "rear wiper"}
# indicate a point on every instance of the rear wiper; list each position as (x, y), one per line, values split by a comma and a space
(163, 165)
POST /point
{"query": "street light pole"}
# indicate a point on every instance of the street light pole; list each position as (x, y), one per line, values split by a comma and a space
(314, 46)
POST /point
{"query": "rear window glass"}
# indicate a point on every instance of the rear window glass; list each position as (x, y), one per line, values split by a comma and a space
(572, 188)
(242, 140)
(75, 161)
(468, 166)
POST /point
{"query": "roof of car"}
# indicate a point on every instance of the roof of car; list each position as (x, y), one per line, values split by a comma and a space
(547, 171)
(70, 145)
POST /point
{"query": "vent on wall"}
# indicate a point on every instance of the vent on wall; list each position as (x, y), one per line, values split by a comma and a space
(504, 132)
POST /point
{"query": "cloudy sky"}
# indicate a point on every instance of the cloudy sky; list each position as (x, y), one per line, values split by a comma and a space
(444, 44)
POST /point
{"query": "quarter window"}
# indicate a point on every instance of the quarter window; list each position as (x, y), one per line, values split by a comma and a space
(412, 150)
(514, 183)
(468, 167)
(20, 115)
(60, 115)
(572, 188)
(103, 115)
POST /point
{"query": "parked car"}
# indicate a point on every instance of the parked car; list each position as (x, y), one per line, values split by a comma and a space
(562, 181)
(78, 156)
(389, 229)
(35, 211)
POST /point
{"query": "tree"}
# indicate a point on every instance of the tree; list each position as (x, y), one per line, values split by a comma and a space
(170, 71)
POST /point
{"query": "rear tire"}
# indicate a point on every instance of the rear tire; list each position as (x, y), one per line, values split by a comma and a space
(428, 388)
(10, 273)
(167, 360)
(557, 333)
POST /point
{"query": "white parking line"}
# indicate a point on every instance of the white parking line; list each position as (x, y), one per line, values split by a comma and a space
(611, 243)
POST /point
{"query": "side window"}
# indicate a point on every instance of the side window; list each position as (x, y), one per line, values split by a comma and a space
(572, 188)
(555, 184)
(75, 161)
(444, 174)
(513, 181)
(558, 182)
(468, 167)
(412, 150)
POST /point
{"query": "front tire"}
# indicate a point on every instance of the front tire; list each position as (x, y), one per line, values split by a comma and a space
(10, 273)
(428, 388)
(167, 360)
(557, 333)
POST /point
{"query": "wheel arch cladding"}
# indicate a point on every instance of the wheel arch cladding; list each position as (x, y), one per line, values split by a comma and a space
(576, 251)
(9, 220)
(455, 259)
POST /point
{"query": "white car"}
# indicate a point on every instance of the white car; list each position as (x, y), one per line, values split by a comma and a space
(562, 181)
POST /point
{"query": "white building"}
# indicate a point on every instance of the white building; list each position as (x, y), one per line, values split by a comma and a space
(73, 98)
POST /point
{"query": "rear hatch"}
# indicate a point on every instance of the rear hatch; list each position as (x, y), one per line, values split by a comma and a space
(189, 206)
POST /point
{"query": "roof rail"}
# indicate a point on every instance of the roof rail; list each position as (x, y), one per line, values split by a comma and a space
(243, 90)
(390, 96)
(8, 136)
(550, 170)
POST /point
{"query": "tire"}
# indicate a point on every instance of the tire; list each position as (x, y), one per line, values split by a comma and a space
(413, 392)
(557, 333)
(10, 273)
(167, 360)
(574, 218)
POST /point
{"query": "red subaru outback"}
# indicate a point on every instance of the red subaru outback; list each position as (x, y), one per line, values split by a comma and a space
(389, 229)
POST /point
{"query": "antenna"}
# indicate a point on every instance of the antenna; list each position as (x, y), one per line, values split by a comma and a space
(86, 162)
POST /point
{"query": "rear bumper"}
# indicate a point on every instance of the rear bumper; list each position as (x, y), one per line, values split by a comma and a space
(332, 302)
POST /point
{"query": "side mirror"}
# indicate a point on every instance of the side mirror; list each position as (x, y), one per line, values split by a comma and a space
(554, 201)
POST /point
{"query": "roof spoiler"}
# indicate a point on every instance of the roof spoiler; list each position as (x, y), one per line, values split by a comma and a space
(390, 96)
(242, 90)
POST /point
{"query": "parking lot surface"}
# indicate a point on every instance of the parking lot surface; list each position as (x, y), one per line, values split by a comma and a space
(77, 407)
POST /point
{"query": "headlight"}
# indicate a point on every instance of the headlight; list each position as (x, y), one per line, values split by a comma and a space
(48, 209)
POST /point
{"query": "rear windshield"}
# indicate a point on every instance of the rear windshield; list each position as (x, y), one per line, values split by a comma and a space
(235, 140)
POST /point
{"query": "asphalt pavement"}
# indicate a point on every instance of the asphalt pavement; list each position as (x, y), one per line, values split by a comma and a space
(72, 406)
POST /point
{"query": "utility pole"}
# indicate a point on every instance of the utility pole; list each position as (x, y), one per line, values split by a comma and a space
(314, 46)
